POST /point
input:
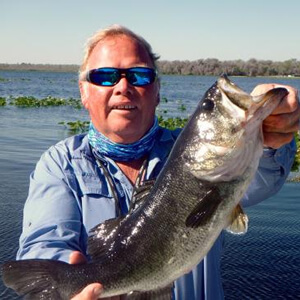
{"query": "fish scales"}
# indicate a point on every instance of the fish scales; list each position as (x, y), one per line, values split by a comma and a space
(209, 169)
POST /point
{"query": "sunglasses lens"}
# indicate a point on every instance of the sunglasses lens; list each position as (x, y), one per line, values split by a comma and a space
(140, 76)
(104, 76)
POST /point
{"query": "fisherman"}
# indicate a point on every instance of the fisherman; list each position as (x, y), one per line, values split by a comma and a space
(89, 178)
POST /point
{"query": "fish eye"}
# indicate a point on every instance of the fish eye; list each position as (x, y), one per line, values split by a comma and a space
(208, 105)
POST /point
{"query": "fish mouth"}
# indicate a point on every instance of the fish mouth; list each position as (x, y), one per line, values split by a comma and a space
(235, 94)
(248, 103)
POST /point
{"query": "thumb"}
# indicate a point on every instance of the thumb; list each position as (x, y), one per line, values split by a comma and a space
(91, 292)
(77, 257)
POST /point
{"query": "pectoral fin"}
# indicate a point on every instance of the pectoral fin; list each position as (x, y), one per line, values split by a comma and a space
(204, 210)
(238, 221)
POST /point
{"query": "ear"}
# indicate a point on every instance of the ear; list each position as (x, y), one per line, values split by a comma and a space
(158, 99)
(84, 94)
(158, 92)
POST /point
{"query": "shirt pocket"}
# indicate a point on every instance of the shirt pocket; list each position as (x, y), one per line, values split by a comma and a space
(86, 184)
(96, 200)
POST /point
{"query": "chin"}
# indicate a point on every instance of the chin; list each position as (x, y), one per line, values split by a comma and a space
(127, 136)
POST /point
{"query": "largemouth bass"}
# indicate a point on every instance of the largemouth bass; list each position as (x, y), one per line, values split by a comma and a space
(194, 198)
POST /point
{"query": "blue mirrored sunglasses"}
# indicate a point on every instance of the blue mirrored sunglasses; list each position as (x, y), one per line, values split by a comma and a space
(137, 76)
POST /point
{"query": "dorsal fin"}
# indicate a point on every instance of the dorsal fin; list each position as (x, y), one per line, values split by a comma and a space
(204, 210)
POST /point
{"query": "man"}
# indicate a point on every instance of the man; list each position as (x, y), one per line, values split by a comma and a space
(88, 179)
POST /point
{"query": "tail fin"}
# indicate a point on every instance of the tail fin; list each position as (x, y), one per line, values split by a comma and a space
(34, 279)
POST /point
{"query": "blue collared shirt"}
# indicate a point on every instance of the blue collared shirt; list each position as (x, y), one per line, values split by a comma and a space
(69, 195)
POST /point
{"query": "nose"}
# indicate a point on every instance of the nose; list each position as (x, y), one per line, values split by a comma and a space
(123, 87)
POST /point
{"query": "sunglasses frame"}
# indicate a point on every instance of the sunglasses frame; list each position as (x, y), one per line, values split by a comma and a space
(119, 73)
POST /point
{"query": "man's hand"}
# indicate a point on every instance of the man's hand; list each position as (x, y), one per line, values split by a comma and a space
(92, 291)
(280, 126)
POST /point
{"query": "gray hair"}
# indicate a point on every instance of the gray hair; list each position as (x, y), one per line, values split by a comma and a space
(112, 31)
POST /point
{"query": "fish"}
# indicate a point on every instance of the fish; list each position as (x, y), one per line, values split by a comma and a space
(179, 217)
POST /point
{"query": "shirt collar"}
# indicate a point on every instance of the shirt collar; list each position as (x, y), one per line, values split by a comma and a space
(159, 153)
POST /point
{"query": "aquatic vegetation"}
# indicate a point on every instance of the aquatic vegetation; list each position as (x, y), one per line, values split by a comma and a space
(296, 163)
(172, 123)
(3, 79)
(164, 111)
(2, 101)
(76, 126)
(30, 101)
(182, 107)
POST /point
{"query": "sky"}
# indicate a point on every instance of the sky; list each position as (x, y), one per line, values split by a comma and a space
(55, 31)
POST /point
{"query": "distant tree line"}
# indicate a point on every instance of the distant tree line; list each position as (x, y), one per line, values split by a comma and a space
(215, 67)
(209, 66)
(39, 67)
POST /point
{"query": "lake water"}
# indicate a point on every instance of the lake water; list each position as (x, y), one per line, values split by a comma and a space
(263, 264)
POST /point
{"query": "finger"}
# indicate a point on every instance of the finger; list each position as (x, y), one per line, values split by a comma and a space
(276, 140)
(77, 257)
(91, 292)
(284, 123)
(262, 89)
(288, 104)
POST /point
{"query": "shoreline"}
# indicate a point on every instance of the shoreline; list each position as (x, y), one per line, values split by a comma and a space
(74, 68)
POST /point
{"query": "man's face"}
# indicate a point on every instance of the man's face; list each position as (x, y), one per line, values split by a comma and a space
(123, 112)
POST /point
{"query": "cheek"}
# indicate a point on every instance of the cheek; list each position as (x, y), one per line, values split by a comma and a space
(93, 98)
(151, 97)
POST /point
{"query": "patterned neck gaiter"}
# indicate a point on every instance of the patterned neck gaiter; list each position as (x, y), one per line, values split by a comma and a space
(122, 152)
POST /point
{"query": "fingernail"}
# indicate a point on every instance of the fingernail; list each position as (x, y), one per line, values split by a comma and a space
(98, 290)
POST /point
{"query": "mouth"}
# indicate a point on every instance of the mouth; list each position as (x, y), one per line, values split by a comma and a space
(124, 107)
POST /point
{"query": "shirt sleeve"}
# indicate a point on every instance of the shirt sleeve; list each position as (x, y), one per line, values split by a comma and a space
(52, 215)
(274, 167)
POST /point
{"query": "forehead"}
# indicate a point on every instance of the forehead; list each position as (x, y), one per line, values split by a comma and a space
(119, 51)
